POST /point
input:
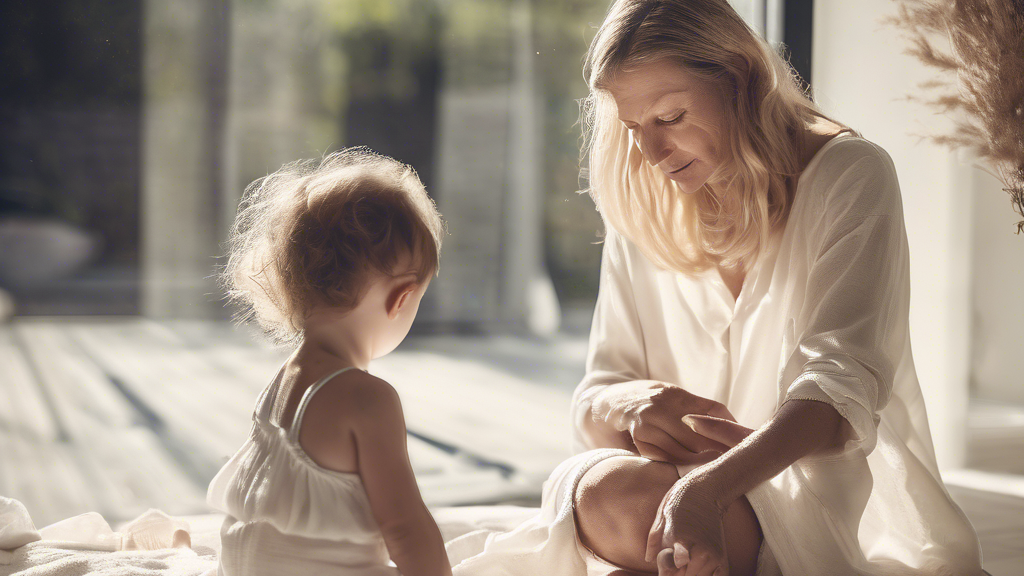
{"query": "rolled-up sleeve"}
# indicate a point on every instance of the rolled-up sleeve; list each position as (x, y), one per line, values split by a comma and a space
(616, 351)
(851, 329)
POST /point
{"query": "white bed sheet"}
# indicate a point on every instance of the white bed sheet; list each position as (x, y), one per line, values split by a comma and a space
(48, 557)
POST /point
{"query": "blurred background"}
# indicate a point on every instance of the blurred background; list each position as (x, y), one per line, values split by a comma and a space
(129, 129)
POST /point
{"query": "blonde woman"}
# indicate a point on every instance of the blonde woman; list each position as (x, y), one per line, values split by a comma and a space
(755, 274)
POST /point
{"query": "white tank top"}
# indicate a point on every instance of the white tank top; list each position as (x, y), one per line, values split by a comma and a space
(286, 515)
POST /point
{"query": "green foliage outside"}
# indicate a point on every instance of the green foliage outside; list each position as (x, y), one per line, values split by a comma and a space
(384, 42)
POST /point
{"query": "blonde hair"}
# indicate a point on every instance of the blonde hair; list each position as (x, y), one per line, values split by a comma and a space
(314, 233)
(731, 219)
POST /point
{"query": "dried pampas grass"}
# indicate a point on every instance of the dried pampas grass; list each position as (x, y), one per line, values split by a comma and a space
(986, 52)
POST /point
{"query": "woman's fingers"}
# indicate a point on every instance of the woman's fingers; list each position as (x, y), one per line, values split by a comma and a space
(668, 432)
(720, 430)
(688, 527)
(654, 547)
(652, 452)
(666, 566)
(656, 444)
(695, 442)
(720, 411)
(678, 560)
(701, 562)
(688, 403)
(697, 562)
(702, 458)
(680, 555)
(662, 440)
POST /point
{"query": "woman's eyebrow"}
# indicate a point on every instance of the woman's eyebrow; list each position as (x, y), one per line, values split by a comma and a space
(653, 105)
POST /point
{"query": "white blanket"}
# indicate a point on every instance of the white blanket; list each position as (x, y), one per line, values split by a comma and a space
(54, 559)
(86, 544)
(481, 540)
(154, 543)
(544, 543)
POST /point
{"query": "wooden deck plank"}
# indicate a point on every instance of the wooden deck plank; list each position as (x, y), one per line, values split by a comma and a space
(121, 459)
(206, 394)
(52, 482)
(234, 352)
(206, 409)
(37, 463)
(69, 403)
(237, 351)
(478, 408)
(25, 411)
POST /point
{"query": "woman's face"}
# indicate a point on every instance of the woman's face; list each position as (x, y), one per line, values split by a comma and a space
(676, 119)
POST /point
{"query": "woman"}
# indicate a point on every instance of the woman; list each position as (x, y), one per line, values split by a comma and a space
(755, 270)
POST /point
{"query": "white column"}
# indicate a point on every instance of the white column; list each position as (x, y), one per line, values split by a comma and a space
(179, 207)
(774, 21)
(528, 295)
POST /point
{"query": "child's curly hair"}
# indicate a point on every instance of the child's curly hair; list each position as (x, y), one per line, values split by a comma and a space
(315, 233)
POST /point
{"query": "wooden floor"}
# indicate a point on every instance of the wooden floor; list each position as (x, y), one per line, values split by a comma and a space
(121, 415)
(124, 415)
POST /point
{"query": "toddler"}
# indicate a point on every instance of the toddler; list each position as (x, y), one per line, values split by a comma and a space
(334, 257)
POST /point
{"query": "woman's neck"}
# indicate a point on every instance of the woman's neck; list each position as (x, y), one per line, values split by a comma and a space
(814, 138)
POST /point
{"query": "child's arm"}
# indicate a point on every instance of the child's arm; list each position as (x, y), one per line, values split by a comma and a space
(412, 537)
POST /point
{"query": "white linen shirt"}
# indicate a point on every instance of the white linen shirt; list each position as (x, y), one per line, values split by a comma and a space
(822, 315)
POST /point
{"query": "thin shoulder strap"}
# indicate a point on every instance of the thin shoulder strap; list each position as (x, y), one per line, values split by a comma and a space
(293, 433)
(263, 404)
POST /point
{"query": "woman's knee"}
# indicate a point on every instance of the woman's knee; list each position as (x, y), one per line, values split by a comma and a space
(616, 502)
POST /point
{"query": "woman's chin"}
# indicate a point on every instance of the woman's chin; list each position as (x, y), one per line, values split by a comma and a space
(688, 185)
(689, 180)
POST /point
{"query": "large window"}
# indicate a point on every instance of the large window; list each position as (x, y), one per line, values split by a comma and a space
(131, 129)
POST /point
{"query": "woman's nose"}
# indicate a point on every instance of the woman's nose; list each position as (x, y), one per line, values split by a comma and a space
(653, 147)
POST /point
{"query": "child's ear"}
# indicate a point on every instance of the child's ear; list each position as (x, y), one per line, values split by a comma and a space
(399, 297)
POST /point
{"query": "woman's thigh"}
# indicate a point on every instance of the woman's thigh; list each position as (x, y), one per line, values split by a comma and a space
(616, 502)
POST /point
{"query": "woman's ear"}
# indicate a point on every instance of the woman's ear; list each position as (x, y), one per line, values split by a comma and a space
(398, 297)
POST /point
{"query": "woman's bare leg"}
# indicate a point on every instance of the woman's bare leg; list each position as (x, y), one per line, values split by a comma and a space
(616, 502)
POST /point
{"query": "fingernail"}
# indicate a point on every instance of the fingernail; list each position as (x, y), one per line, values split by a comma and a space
(689, 420)
(680, 555)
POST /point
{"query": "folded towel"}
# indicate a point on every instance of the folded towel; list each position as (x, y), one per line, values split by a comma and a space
(87, 531)
(153, 543)
(16, 528)
(153, 530)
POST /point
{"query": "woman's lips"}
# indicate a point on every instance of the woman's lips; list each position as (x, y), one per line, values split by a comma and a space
(684, 167)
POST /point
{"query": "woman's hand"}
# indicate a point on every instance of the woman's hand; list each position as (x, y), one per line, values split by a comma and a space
(688, 538)
(652, 412)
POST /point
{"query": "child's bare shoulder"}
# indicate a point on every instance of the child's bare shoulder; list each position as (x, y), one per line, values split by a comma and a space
(350, 398)
(342, 410)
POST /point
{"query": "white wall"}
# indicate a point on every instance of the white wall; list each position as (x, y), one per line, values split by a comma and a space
(997, 283)
(861, 77)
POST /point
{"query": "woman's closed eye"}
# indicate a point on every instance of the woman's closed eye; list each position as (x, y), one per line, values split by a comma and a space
(671, 119)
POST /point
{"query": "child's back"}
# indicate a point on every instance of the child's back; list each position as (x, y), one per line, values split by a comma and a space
(285, 513)
(337, 258)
